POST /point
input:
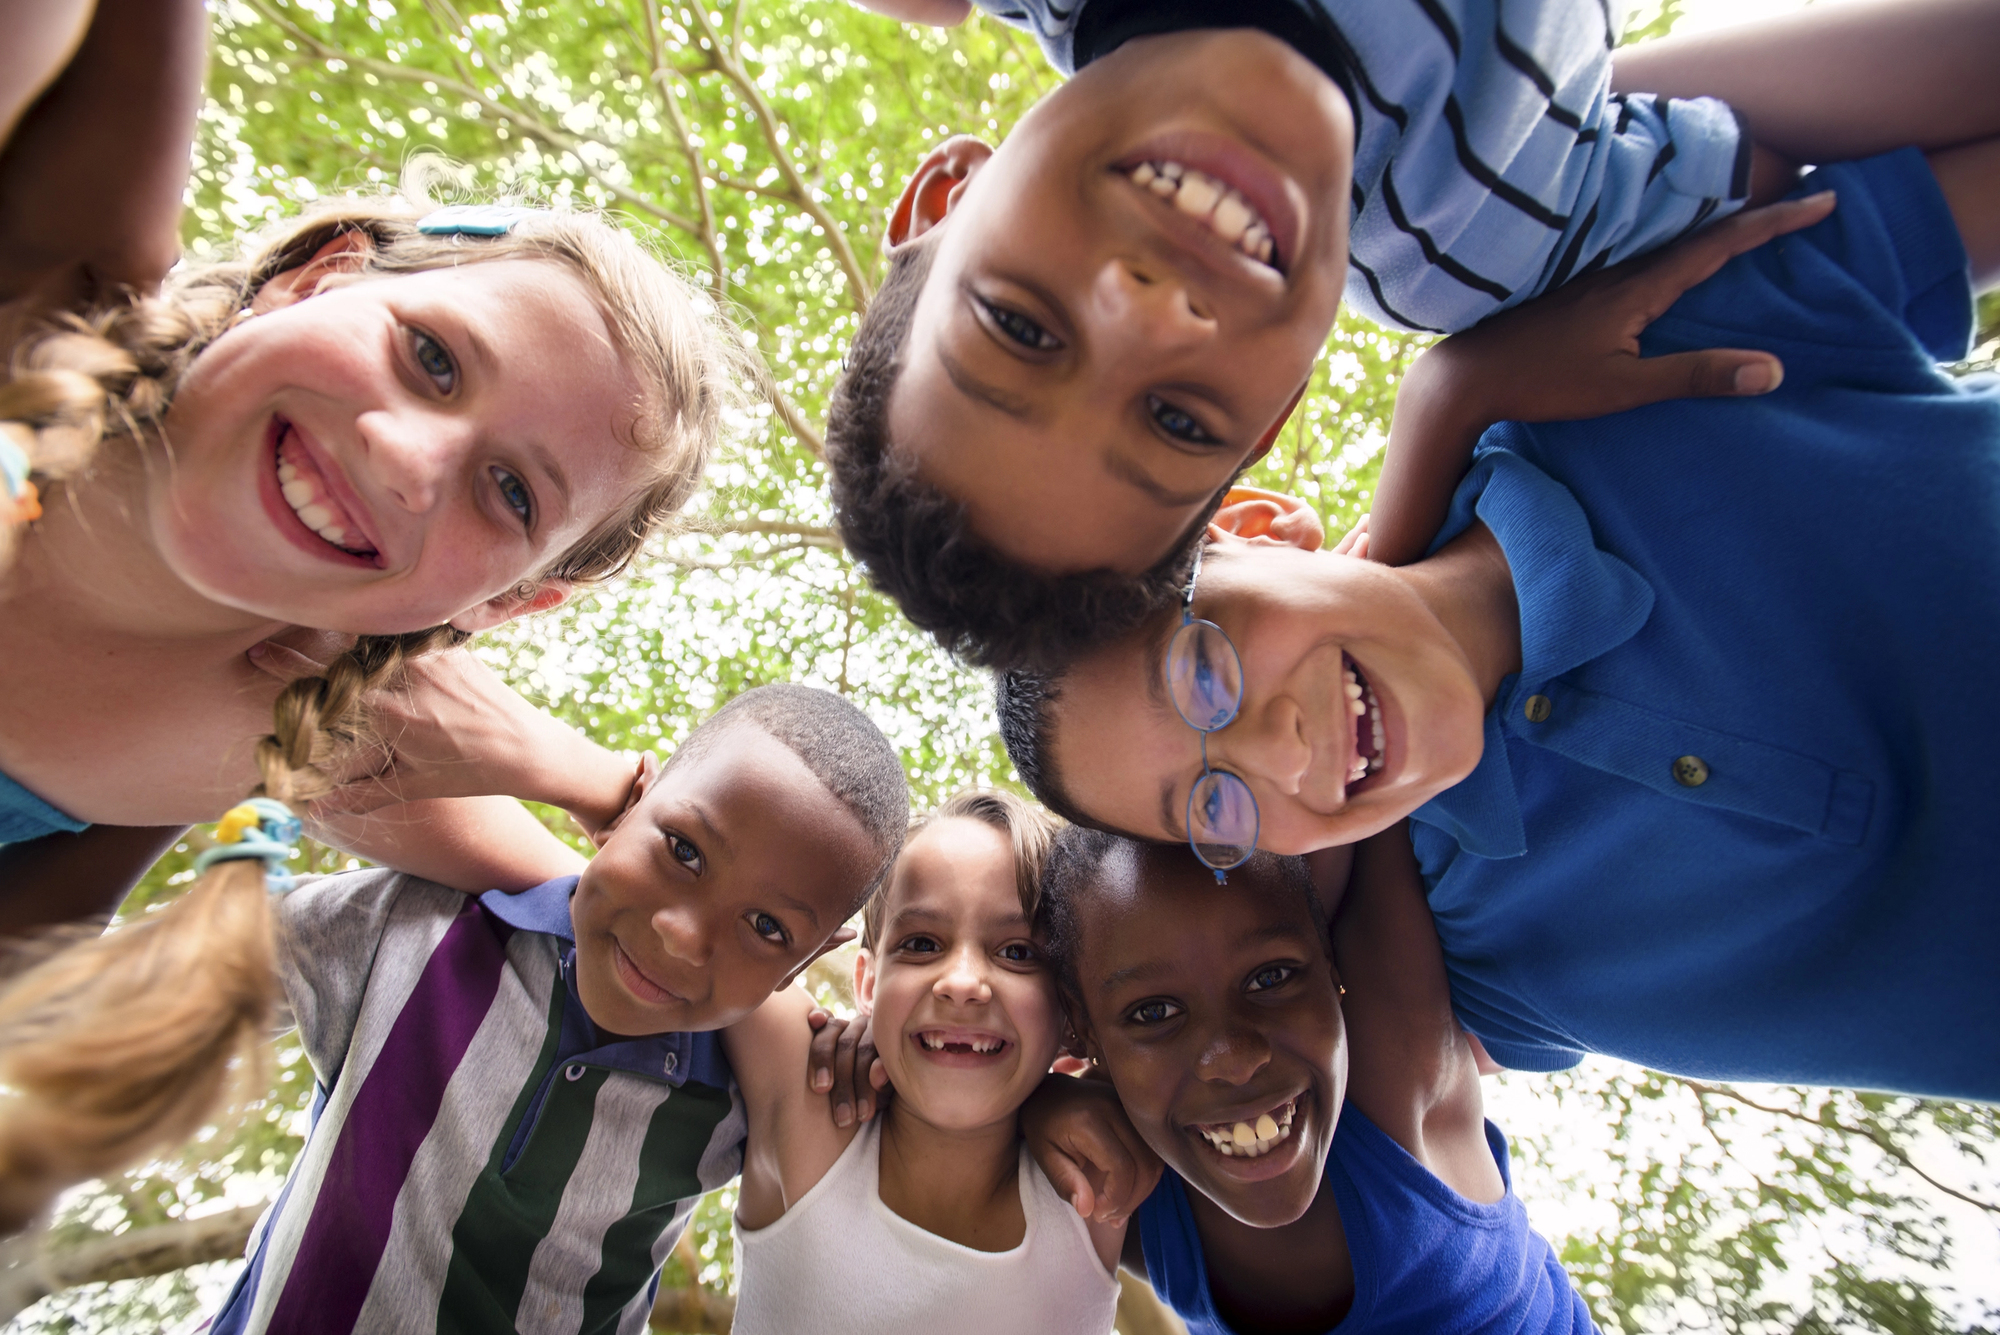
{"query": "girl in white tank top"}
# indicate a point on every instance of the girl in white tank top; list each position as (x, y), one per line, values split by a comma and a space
(932, 1215)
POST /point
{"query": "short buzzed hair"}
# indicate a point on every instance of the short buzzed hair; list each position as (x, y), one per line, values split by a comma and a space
(1077, 858)
(842, 747)
(916, 544)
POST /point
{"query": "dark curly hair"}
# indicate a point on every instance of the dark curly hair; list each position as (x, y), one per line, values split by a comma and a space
(1076, 860)
(913, 540)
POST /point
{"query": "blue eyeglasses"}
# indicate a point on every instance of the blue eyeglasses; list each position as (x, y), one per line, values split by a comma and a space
(1205, 680)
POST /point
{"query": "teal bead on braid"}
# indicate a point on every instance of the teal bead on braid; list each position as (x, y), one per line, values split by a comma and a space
(259, 828)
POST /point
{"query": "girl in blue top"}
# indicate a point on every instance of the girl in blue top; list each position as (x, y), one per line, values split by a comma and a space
(1330, 1167)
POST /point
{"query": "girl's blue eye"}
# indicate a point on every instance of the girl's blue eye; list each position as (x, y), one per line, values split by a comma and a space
(920, 945)
(1020, 329)
(768, 927)
(1018, 952)
(1270, 976)
(1178, 423)
(515, 492)
(435, 362)
(1153, 1012)
(684, 852)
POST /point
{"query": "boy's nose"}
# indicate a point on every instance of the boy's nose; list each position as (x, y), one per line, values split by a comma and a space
(406, 455)
(1232, 1055)
(1146, 310)
(682, 934)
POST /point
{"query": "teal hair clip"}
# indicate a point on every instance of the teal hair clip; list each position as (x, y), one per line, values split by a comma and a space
(260, 828)
(476, 220)
(14, 467)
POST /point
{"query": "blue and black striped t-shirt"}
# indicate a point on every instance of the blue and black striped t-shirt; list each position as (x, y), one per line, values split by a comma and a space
(1492, 161)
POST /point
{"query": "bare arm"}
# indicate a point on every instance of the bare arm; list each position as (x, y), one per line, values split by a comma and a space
(1970, 178)
(1410, 1067)
(1570, 354)
(474, 844)
(37, 40)
(91, 179)
(65, 878)
(1840, 80)
(936, 13)
(792, 1141)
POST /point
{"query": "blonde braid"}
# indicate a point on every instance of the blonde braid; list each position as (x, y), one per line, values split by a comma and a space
(318, 720)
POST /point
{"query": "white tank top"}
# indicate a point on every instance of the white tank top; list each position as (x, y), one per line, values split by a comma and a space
(841, 1261)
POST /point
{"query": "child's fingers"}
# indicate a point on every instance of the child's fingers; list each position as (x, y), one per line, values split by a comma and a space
(1073, 1183)
(1712, 373)
(1680, 267)
(820, 1058)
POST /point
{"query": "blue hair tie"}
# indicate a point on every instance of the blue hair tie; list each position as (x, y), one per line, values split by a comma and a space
(14, 466)
(260, 828)
(476, 220)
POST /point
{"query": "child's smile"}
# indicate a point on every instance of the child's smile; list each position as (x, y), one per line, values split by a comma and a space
(319, 499)
(955, 1045)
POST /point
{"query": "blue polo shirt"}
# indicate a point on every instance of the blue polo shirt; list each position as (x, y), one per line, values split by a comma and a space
(1736, 816)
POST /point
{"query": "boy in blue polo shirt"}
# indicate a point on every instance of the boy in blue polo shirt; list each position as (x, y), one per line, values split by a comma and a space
(1691, 707)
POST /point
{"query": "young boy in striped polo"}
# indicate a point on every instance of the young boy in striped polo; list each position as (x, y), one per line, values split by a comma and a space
(1086, 334)
(521, 1096)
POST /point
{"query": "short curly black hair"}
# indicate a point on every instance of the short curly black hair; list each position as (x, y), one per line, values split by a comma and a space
(1076, 859)
(986, 609)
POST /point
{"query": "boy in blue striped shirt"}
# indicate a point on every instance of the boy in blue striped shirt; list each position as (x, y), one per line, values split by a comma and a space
(521, 1096)
(1085, 335)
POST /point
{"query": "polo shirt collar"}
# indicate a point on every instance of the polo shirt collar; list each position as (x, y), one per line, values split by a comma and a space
(670, 1057)
(1577, 604)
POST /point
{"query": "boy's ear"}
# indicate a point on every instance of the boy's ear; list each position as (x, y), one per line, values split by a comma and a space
(518, 601)
(330, 265)
(934, 188)
(1253, 513)
(840, 938)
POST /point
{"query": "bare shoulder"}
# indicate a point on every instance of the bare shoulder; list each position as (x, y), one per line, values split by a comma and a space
(792, 1139)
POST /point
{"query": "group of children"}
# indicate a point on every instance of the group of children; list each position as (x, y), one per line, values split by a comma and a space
(1652, 729)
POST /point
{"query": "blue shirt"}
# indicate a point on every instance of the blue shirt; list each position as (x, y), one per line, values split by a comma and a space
(1427, 1261)
(1752, 835)
(1491, 159)
(24, 816)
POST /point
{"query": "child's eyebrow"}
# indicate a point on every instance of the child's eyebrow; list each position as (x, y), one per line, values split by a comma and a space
(978, 390)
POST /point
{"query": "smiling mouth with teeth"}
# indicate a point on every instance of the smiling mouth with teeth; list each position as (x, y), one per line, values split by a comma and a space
(1201, 196)
(306, 492)
(1253, 1139)
(981, 1045)
(1367, 711)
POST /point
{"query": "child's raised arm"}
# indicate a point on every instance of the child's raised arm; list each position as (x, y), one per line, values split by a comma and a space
(936, 13)
(1842, 80)
(792, 1141)
(92, 171)
(1567, 355)
(1411, 1067)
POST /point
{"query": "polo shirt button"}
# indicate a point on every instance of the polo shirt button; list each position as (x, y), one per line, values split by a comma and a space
(1690, 771)
(673, 1062)
(1538, 708)
(574, 1071)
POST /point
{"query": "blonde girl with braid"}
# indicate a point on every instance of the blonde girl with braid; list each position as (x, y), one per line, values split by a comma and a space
(379, 428)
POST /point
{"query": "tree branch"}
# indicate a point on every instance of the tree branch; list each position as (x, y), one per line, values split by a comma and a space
(730, 66)
(1874, 1136)
(520, 120)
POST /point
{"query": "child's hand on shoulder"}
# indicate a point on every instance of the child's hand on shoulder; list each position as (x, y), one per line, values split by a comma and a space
(842, 1050)
(1079, 1134)
(1574, 352)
